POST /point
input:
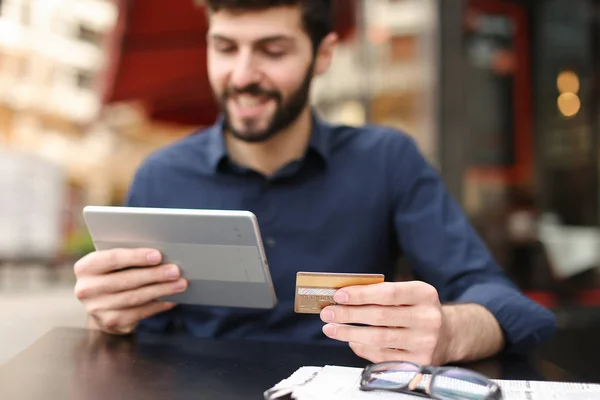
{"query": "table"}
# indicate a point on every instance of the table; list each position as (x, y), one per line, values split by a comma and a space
(80, 364)
(576, 350)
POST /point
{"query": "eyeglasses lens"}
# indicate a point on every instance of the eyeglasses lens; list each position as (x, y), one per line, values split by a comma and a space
(393, 375)
(459, 385)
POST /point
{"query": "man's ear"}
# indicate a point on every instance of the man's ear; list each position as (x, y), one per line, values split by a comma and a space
(324, 55)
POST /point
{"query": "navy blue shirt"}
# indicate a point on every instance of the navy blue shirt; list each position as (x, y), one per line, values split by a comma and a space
(357, 200)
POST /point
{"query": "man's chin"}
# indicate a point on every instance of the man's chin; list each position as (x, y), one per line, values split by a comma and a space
(251, 136)
(250, 131)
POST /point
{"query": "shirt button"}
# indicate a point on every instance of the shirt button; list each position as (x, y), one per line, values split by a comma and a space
(270, 242)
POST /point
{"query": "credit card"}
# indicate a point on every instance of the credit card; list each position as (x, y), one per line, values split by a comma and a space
(315, 290)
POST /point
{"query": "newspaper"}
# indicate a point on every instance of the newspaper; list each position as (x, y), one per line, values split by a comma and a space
(342, 383)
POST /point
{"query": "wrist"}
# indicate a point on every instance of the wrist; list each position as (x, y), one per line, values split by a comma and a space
(472, 333)
(450, 346)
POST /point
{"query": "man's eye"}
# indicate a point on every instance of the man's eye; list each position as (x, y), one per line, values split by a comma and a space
(274, 53)
(225, 48)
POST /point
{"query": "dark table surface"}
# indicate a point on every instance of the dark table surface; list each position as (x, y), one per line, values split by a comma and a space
(81, 364)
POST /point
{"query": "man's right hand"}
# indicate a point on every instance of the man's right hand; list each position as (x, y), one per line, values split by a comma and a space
(118, 299)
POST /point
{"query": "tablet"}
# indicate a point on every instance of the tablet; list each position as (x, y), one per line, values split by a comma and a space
(219, 252)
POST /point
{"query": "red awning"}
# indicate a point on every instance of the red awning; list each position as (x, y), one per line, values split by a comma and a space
(157, 55)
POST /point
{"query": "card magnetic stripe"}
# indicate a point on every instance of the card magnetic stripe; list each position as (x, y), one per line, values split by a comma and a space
(316, 291)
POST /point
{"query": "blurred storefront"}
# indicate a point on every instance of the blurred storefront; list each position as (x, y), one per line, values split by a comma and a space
(529, 176)
(50, 57)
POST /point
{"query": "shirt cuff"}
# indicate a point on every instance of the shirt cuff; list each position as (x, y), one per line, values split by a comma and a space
(525, 324)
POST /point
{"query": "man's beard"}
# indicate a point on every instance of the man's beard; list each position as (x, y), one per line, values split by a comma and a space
(285, 113)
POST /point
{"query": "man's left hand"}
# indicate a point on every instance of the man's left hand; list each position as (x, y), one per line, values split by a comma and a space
(402, 321)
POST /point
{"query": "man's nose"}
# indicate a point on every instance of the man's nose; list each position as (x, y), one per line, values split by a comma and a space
(244, 72)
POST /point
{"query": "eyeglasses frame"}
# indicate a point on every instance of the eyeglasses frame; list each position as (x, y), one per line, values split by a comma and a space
(495, 392)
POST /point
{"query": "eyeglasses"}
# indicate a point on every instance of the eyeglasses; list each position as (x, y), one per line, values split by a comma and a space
(440, 383)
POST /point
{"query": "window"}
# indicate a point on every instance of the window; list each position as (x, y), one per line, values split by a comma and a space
(85, 80)
(89, 35)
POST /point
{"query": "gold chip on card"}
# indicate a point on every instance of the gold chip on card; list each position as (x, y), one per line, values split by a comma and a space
(315, 290)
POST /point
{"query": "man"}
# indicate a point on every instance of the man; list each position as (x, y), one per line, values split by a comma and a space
(328, 199)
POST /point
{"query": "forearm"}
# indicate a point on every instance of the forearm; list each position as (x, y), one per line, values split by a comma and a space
(472, 333)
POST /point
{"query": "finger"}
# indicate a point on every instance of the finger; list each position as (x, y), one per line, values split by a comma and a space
(124, 321)
(395, 338)
(380, 354)
(402, 316)
(134, 298)
(104, 261)
(388, 294)
(92, 286)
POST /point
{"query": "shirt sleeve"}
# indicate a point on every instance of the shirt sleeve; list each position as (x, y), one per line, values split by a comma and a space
(142, 193)
(443, 249)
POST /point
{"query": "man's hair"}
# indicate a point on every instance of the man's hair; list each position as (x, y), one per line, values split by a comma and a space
(317, 18)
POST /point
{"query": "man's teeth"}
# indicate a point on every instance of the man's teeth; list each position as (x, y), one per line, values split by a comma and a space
(248, 101)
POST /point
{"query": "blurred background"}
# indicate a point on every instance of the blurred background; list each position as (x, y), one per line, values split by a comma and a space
(502, 97)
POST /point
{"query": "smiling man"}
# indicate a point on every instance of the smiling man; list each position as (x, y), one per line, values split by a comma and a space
(328, 198)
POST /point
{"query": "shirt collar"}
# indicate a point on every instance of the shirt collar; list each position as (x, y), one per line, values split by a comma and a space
(217, 150)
